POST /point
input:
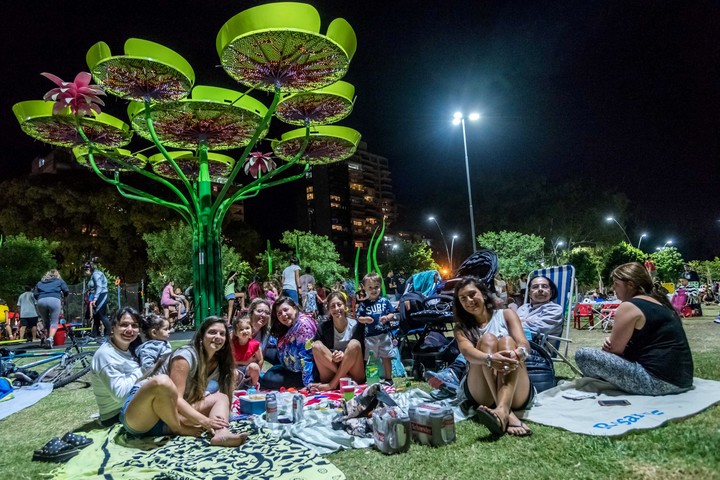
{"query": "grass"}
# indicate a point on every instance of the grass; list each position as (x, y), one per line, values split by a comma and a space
(682, 449)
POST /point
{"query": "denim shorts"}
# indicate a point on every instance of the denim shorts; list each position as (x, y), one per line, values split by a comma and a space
(469, 397)
(158, 430)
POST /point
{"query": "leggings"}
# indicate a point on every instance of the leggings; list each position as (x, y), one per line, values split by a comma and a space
(628, 376)
(100, 316)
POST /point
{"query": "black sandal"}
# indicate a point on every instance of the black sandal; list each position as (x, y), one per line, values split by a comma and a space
(77, 441)
(55, 451)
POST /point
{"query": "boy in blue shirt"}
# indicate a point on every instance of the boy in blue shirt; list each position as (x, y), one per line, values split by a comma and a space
(376, 313)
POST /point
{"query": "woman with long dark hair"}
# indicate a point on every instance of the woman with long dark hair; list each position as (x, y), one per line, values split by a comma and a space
(175, 398)
(493, 343)
(647, 352)
(293, 330)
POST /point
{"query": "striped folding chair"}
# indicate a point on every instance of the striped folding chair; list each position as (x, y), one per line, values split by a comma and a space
(564, 279)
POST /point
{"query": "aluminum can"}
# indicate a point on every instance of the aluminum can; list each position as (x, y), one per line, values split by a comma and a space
(391, 430)
(432, 424)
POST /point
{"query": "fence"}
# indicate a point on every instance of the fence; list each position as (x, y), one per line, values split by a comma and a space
(76, 307)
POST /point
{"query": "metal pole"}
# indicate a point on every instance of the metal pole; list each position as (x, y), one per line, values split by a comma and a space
(467, 173)
(452, 248)
(640, 241)
(447, 252)
(623, 230)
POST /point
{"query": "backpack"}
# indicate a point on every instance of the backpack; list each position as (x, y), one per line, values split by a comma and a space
(540, 368)
(410, 303)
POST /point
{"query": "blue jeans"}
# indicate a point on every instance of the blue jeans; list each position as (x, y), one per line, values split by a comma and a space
(291, 293)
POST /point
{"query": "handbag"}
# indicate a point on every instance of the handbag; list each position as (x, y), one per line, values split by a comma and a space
(540, 367)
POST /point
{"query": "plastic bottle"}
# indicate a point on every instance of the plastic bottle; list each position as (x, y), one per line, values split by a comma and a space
(372, 373)
(271, 408)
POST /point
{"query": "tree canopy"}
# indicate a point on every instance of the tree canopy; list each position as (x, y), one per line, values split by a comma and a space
(517, 252)
(669, 264)
(23, 261)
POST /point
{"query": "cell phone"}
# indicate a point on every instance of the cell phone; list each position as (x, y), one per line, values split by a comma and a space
(613, 403)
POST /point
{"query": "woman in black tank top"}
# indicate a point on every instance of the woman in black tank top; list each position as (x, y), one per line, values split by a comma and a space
(647, 352)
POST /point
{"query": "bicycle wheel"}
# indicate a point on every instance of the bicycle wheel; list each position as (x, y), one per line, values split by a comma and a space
(75, 367)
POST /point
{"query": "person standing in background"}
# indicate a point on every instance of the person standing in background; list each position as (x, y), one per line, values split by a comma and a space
(28, 313)
(291, 280)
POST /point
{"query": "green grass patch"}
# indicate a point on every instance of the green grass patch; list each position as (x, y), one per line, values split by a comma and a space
(681, 449)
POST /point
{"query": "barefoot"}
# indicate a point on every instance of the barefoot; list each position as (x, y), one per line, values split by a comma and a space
(225, 438)
(319, 387)
(517, 427)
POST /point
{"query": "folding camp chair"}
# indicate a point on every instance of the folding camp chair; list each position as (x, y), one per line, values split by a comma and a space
(564, 279)
(583, 310)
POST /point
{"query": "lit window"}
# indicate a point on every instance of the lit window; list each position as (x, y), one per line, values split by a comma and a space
(310, 196)
(334, 205)
(337, 228)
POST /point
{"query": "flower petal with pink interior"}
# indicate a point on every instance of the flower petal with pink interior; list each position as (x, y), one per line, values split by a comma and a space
(257, 162)
(79, 95)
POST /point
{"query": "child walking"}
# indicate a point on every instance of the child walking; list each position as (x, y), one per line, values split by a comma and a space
(156, 330)
(311, 301)
(247, 354)
(376, 313)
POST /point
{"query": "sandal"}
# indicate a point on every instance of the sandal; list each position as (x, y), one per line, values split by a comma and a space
(526, 432)
(77, 441)
(55, 451)
(490, 420)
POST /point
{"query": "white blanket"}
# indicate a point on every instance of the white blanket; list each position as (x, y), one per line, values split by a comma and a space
(24, 397)
(315, 430)
(557, 408)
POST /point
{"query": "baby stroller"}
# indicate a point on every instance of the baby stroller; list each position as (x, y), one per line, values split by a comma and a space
(435, 347)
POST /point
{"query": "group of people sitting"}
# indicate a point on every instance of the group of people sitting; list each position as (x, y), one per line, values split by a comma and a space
(153, 391)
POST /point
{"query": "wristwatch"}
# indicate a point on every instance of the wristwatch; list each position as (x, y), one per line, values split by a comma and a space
(524, 352)
(488, 360)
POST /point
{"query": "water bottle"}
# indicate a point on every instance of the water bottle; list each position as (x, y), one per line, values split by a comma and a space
(271, 408)
(372, 373)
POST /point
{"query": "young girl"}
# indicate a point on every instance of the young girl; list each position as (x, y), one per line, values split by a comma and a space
(157, 332)
(246, 353)
(311, 301)
(270, 292)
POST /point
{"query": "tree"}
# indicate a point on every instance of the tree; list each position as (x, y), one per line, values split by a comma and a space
(517, 252)
(710, 269)
(316, 252)
(620, 254)
(23, 261)
(669, 264)
(169, 258)
(585, 262)
(411, 257)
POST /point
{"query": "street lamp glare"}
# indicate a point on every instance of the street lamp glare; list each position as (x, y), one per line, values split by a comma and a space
(610, 219)
(458, 116)
(458, 120)
(669, 242)
(431, 218)
(560, 243)
(474, 117)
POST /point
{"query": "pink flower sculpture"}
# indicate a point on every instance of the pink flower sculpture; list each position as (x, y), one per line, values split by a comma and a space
(258, 161)
(79, 95)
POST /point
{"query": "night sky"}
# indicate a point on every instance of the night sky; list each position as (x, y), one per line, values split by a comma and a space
(613, 94)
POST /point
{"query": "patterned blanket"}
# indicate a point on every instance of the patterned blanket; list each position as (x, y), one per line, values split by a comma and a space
(114, 457)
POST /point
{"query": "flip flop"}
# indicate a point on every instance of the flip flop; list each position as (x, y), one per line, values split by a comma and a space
(523, 425)
(55, 451)
(490, 420)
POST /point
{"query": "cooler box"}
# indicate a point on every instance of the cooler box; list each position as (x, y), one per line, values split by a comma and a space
(252, 404)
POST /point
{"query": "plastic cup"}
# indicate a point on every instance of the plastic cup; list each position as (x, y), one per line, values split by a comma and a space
(345, 381)
(348, 392)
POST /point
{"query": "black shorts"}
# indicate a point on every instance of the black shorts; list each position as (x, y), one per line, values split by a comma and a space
(29, 322)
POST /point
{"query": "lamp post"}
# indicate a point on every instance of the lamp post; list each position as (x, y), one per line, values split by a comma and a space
(452, 248)
(612, 219)
(669, 242)
(447, 251)
(640, 239)
(556, 245)
(458, 119)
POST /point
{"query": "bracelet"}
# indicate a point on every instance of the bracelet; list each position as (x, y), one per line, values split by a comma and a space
(524, 351)
(488, 360)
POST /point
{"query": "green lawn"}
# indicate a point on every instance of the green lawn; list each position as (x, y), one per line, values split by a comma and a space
(684, 449)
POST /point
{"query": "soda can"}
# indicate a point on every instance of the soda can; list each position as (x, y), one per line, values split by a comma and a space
(298, 402)
(271, 408)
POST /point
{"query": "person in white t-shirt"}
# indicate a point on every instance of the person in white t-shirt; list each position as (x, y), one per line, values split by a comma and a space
(291, 280)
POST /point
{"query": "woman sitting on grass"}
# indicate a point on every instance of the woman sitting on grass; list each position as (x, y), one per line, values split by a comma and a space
(174, 398)
(115, 366)
(339, 347)
(647, 352)
(493, 343)
(294, 330)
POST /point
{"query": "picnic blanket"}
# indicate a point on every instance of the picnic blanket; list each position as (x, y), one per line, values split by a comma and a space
(574, 406)
(315, 430)
(24, 397)
(114, 456)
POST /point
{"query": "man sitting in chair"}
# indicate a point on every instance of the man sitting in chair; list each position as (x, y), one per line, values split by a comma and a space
(541, 316)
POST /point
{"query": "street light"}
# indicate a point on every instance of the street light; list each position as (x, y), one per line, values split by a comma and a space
(458, 119)
(612, 219)
(640, 239)
(452, 247)
(447, 251)
(557, 244)
(669, 242)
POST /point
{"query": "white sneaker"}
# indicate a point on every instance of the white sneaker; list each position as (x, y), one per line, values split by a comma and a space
(717, 320)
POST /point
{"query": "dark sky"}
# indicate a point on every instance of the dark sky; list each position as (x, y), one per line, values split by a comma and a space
(608, 93)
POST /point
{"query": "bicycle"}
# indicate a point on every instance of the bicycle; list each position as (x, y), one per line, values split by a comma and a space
(68, 365)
